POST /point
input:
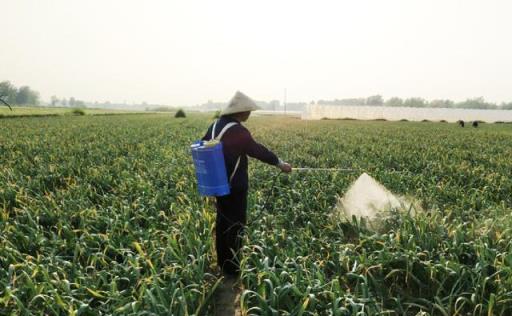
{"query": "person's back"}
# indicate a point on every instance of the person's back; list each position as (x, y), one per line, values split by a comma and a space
(237, 144)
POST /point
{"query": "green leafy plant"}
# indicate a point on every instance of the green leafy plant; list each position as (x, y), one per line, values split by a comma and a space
(78, 112)
(180, 113)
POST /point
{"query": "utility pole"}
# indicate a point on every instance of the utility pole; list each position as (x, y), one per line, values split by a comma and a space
(284, 103)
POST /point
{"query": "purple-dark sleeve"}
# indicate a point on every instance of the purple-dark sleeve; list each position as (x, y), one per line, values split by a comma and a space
(257, 150)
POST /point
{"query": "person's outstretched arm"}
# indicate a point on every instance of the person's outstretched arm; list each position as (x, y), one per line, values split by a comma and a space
(260, 152)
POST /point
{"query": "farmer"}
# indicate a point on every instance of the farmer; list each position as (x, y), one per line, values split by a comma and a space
(237, 144)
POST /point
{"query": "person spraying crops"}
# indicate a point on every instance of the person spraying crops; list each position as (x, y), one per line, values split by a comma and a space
(237, 144)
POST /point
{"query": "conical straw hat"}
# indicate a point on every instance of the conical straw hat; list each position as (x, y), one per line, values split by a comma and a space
(240, 103)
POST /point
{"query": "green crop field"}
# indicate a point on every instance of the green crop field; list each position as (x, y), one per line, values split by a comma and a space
(18, 111)
(100, 215)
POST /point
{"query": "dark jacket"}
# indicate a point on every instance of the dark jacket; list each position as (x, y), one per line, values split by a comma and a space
(238, 142)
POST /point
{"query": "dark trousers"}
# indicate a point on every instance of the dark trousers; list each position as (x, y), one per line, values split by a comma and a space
(231, 219)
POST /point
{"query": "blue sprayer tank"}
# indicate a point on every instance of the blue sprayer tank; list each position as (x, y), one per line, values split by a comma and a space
(212, 179)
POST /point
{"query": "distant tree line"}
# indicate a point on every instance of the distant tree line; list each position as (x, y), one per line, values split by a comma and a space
(20, 96)
(71, 102)
(377, 100)
(26, 96)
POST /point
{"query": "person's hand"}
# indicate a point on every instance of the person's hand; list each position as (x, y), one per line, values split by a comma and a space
(284, 166)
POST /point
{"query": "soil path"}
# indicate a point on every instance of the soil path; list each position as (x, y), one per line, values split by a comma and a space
(227, 298)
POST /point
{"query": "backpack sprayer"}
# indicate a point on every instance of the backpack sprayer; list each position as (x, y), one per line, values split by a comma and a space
(210, 168)
(211, 174)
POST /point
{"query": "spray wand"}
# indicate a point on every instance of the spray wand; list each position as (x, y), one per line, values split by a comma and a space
(325, 169)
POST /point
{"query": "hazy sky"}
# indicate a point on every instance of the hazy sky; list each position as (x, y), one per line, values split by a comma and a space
(186, 52)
